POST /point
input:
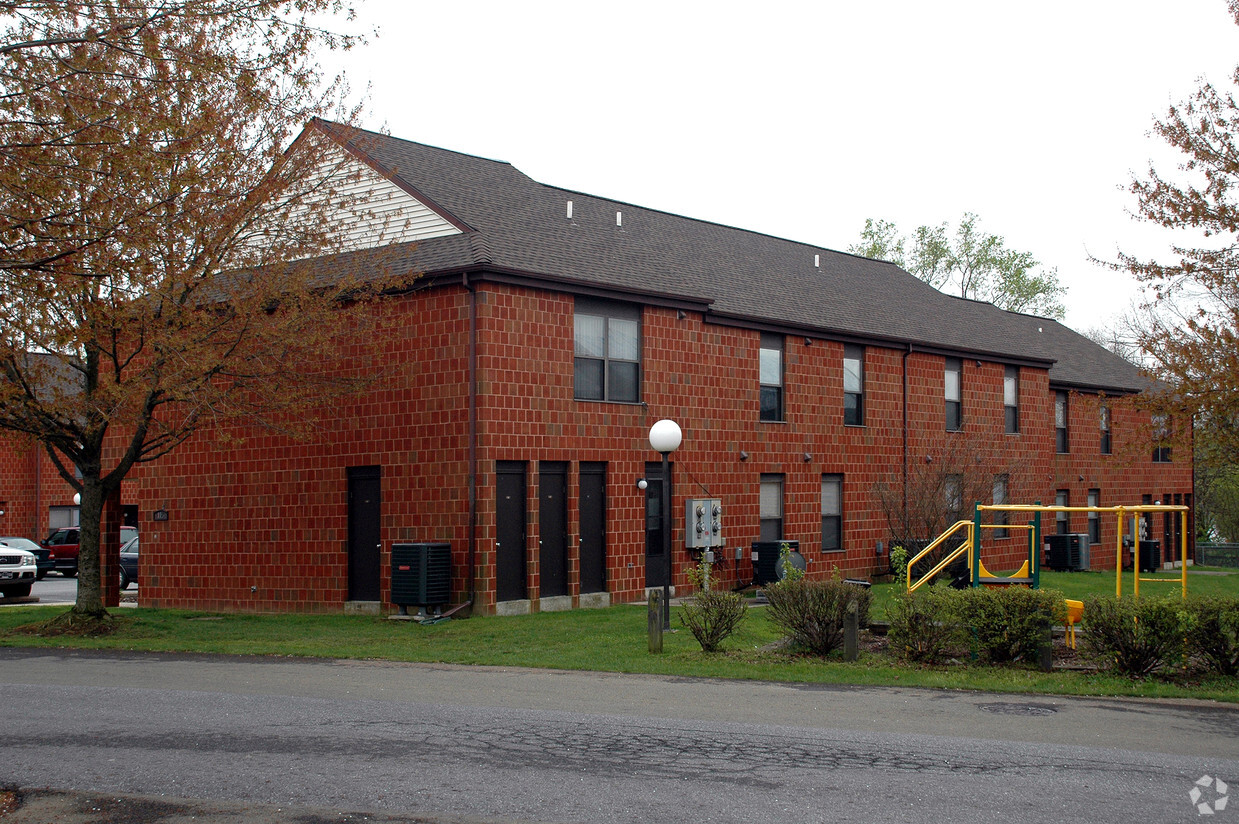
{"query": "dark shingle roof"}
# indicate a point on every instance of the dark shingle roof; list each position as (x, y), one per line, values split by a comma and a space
(515, 224)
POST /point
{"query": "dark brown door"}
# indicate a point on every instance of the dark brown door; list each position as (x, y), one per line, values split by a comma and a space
(655, 560)
(364, 513)
(510, 508)
(593, 527)
(553, 528)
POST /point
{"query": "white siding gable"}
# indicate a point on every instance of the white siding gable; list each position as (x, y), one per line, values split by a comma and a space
(377, 212)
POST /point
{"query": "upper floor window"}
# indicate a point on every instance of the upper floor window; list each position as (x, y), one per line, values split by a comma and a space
(832, 513)
(1105, 429)
(1161, 433)
(854, 385)
(1060, 422)
(770, 508)
(771, 377)
(1011, 399)
(954, 409)
(608, 351)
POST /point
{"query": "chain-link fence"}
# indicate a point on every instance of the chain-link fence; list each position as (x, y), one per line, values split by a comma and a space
(1223, 555)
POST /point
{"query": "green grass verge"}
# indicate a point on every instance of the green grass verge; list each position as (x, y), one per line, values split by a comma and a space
(611, 640)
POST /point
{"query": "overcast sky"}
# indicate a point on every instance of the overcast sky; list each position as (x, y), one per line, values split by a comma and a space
(802, 119)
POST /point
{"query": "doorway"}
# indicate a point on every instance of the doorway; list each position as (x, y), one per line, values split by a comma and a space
(553, 528)
(593, 527)
(364, 535)
(510, 509)
(655, 561)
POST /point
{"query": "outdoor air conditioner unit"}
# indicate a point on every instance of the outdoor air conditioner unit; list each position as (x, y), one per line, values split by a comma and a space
(1067, 552)
(421, 574)
(766, 560)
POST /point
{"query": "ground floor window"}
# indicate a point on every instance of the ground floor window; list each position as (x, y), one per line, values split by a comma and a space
(832, 513)
(771, 508)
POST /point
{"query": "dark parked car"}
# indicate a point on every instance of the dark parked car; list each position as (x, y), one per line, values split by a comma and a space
(64, 542)
(129, 563)
(42, 555)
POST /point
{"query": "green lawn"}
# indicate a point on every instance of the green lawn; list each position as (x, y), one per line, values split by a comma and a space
(611, 639)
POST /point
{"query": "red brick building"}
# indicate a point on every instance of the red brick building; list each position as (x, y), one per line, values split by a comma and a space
(822, 398)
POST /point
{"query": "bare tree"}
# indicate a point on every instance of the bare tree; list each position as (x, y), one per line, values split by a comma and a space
(151, 218)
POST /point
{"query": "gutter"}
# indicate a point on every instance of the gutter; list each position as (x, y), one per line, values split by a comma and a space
(907, 352)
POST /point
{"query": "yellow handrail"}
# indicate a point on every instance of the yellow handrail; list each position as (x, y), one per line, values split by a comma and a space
(934, 545)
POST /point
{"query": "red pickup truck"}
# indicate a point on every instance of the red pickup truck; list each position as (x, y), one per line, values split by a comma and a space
(64, 542)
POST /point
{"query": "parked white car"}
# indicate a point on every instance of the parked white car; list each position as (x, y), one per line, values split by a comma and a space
(17, 571)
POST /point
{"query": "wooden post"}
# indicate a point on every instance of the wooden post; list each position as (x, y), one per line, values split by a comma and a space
(654, 619)
(1045, 652)
(851, 632)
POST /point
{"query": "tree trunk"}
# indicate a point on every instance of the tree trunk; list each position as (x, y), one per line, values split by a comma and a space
(89, 582)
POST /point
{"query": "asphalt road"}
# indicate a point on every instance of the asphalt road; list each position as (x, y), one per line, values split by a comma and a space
(528, 745)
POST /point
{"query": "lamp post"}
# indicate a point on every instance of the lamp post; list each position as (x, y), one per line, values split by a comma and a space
(665, 438)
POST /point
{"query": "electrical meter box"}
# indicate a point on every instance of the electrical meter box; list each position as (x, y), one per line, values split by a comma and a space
(703, 523)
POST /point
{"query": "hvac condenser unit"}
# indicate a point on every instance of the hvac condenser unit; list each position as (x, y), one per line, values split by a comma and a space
(421, 574)
(1067, 552)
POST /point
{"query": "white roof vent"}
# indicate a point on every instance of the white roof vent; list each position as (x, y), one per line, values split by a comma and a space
(817, 261)
(569, 210)
(619, 219)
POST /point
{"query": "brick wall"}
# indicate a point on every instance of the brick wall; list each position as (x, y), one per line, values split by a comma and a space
(262, 523)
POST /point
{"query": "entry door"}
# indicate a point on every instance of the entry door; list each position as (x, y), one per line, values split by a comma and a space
(510, 509)
(593, 527)
(655, 561)
(553, 527)
(364, 513)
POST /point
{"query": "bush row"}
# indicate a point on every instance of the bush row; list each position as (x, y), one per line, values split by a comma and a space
(997, 625)
(1130, 636)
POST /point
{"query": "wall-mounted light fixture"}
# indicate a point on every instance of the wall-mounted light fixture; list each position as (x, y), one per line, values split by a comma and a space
(744, 456)
(808, 456)
(642, 483)
(680, 314)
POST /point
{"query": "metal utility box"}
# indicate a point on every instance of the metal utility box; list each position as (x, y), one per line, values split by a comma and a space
(421, 574)
(703, 523)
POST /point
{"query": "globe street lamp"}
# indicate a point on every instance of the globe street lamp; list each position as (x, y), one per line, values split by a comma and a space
(665, 438)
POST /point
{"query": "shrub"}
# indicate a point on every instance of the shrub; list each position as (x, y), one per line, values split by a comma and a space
(1214, 633)
(711, 615)
(1135, 636)
(924, 625)
(899, 564)
(1010, 623)
(811, 613)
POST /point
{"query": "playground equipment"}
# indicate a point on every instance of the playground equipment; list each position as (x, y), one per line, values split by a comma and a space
(1075, 611)
(1029, 574)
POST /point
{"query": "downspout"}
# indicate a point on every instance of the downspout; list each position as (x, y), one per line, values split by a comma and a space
(905, 431)
(473, 438)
